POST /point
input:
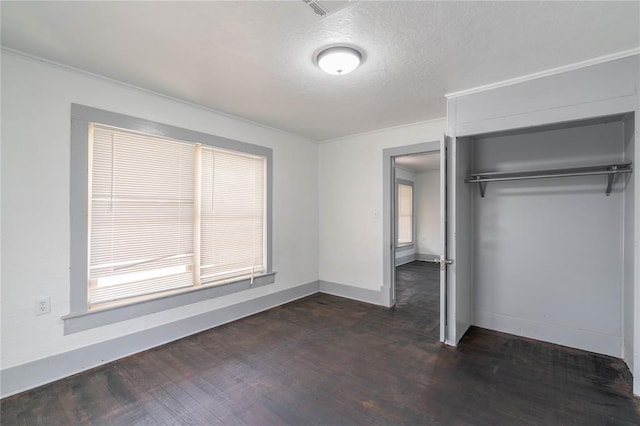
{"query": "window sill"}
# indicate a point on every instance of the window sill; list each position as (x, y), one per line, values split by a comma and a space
(97, 317)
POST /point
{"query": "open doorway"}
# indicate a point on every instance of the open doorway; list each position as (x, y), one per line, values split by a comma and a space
(417, 238)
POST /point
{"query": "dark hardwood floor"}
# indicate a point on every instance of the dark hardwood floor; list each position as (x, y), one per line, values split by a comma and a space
(330, 361)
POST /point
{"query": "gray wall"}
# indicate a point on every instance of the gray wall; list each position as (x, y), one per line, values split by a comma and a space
(598, 90)
(548, 252)
(460, 275)
(630, 206)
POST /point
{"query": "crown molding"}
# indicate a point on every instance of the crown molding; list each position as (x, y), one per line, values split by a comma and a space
(546, 73)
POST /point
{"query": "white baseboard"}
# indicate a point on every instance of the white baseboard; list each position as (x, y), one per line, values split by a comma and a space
(32, 374)
(351, 292)
(36, 373)
(427, 257)
(403, 260)
(567, 336)
(27, 376)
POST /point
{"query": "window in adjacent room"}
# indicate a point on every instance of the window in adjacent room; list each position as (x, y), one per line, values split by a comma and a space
(405, 214)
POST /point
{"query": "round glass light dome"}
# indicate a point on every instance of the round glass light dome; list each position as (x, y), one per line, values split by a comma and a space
(339, 60)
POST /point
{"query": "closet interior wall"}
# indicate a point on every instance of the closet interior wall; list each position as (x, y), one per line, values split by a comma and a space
(549, 255)
(630, 259)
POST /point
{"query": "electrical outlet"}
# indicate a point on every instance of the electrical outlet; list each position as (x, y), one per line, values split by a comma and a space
(43, 305)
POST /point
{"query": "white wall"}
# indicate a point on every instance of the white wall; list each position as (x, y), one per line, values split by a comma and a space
(427, 215)
(593, 91)
(350, 200)
(548, 252)
(405, 174)
(427, 187)
(36, 99)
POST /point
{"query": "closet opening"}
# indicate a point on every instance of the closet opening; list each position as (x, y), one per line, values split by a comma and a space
(552, 232)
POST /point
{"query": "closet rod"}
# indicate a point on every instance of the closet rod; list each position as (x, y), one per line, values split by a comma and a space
(610, 170)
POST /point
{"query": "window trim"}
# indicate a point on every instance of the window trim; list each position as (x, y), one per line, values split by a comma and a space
(80, 317)
(406, 246)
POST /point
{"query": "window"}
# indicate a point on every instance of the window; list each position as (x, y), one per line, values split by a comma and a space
(162, 218)
(404, 213)
(165, 214)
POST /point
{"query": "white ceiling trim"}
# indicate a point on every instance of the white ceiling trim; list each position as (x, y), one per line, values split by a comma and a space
(381, 130)
(73, 69)
(546, 73)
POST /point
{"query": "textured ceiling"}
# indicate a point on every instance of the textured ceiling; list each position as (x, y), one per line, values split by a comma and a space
(255, 59)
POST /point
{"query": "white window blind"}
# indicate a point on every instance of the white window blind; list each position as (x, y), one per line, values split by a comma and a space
(233, 220)
(141, 214)
(405, 214)
(167, 215)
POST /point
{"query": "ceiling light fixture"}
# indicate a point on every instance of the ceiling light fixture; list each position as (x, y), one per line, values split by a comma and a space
(339, 60)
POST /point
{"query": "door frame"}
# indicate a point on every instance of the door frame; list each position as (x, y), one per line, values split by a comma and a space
(388, 219)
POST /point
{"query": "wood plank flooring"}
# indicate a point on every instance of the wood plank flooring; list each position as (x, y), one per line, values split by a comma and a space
(325, 360)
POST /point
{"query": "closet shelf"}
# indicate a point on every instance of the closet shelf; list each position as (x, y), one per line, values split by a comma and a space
(611, 170)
